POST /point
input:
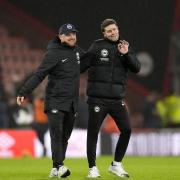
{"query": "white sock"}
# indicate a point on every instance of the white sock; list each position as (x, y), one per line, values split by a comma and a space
(115, 163)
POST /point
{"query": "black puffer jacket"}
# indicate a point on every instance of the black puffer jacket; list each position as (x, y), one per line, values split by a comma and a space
(61, 63)
(108, 69)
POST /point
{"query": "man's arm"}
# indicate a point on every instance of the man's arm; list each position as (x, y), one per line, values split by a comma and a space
(86, 58)
(49, 61)
(130, 61)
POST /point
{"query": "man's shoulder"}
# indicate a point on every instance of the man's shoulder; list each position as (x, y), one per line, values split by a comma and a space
(52, 52)
(99, 41)
(78, 48)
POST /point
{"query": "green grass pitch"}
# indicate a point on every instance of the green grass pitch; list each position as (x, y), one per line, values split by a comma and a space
(139, 168)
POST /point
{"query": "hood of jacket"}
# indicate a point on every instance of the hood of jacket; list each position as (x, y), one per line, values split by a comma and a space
(56, 43)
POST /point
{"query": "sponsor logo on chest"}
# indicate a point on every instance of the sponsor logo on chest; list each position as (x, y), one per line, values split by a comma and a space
(104, 55)
(97, 109)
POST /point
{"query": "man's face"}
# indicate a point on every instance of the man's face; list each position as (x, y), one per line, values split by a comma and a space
(111, 32)
(69, 39)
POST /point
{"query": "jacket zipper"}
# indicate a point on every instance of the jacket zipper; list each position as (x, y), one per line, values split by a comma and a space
(112, 64)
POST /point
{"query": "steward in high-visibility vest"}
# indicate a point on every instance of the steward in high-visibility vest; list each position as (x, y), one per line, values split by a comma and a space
(169, 110)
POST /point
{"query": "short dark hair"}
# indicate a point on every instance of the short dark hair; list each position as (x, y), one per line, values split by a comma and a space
(106, 23)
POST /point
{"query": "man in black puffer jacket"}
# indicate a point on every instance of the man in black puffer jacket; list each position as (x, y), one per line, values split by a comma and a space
(108, 61)
(61, 64)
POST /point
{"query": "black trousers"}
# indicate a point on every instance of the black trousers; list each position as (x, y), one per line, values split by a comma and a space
(97, 113)
(60, 125)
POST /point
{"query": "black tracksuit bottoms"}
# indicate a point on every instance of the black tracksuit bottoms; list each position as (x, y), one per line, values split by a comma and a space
(97, 113)
(60, 125)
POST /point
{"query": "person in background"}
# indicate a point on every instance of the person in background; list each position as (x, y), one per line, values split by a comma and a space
(151, 117)
(4, 115)
(40, 124)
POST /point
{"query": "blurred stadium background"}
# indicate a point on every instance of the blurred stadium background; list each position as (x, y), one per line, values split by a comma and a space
(153, 98)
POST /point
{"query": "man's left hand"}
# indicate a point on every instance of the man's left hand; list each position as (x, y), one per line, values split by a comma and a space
(123, 47)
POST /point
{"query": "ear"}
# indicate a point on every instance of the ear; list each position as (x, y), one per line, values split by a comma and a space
(61, 37)
(104, 34)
